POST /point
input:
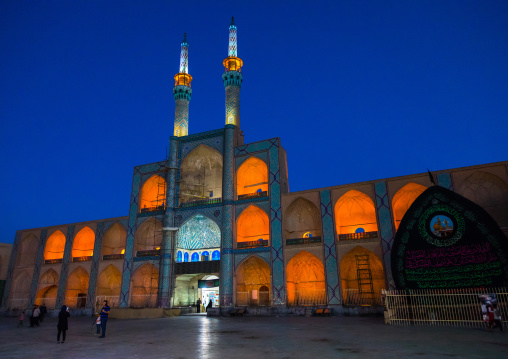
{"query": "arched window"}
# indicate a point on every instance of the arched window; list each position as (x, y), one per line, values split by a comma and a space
(252, 228)
(186, 257)
(215, 255)
(355, 210)
(195, 257)
(179, 256)
(153, 194)
(206, 256)
(403, 199)
(252, 275)
(114, 240)
(305, 280)
(302, 220)
(149, 235)
(83, 243)
(55, 246)
(252, 177)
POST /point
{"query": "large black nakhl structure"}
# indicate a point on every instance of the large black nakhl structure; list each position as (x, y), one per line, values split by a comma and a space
(446, 241)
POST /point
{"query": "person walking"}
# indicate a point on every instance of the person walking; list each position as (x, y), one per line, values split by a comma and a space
(198, 305)
(104, 318)
(498, 320)
(62, 325)
(490, 315)
(34, 318)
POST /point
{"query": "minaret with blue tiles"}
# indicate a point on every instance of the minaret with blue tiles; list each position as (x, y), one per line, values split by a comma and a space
(182, 92)
(232, 79)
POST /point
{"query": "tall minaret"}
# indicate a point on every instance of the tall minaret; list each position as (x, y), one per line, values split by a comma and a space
(182, 92)
(233, 79)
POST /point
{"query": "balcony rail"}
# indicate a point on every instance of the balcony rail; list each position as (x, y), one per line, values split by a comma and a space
(455, 307)
(252, 244)
(353, 236)
(113, 256)
(353, 297)
(82, 259)
(201, 202)
(153, 209)
(253, 195)
(53, 261)
(308, 297)
(293, 241)
(153, 252)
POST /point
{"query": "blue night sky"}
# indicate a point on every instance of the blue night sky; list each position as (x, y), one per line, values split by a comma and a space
(356, 90)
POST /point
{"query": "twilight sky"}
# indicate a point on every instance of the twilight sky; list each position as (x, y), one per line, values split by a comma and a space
(357, 90)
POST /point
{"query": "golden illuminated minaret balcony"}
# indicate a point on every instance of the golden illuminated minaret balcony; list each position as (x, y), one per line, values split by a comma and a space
(182, 92)
(233, 78)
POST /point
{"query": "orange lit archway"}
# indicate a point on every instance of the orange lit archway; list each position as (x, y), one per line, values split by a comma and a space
(77, 288)
(145, 284)
(153, 194)
(251, 177)
(367, 288)
(109, 283)
(403, 199)
(305, 280)
(55, 246)
(355, 213)
(252, 225)
(48, 288)
(114, 240)
(83, 243)
(253, 283)
(149, 235)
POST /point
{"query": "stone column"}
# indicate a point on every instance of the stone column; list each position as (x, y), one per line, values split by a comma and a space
(37, 269)
(94, 270)
(386, 229)
(10, 270)
(64, 272)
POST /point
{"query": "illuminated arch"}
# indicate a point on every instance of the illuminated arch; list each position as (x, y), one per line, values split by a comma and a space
(355, 210)
(215, 255)
(305, 280)
(252, 225)
(145, 286)
(201, 175)
(199, 232)
(47, 289)
(349, 276)
(403, 199)
(20, 290)
(109, 282)
(153, 194)
(251, 276)
(77, 288)
(485, 189)
(27, 252)
(149, 235)
(83, 243)
(114, 240)
(55, 246)
(302, 217)
(186, 257)
(179, 257)
(195, 257)
(251, 176)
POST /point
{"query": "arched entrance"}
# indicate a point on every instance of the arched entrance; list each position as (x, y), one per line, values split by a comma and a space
(305, 280)
(253, 283)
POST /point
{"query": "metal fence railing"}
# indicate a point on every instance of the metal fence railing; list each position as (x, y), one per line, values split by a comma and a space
(308, 298)
(353, 297)
(454, 307)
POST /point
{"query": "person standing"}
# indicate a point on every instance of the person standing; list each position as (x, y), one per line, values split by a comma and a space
(198, 305)
(21, 319)
(104, 318)
(62, 325)
(44, 310)
(34, 319)
(98, 324)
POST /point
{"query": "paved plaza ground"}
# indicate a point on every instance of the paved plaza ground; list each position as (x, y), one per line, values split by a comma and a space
(249, 337)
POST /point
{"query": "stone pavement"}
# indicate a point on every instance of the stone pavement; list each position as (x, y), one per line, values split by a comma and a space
(249, 337)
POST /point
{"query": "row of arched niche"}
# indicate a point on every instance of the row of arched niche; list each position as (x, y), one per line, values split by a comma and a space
(305, 279)
(354, 212)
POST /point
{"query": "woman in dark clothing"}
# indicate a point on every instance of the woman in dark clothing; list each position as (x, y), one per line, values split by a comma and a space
(62, 323)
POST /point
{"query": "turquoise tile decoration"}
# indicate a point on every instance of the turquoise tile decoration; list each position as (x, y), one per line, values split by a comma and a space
(94, 269)
(445, 180)
(64, 272)
(385, 225)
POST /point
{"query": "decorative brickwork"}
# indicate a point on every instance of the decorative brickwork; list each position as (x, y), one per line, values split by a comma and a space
(385, 224)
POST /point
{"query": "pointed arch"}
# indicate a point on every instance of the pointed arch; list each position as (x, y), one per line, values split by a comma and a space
(114, 240)
(47, 289)
(201, 175)
(199, 232)
(109, 282)
(252, 226)
(145, 286)
(153, 194)
(355, 213)
(20, 290)
(252, 275)
(83, 243)
(55, 246)
(251, 177)
(359, 292)
(149, 235)
(305, 280)
(301, 217)
(485, 189)
(27, 252)
(403, 199)
(77, 288)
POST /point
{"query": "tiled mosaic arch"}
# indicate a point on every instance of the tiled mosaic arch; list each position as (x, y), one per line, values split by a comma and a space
(213, 213)
(207, 233)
